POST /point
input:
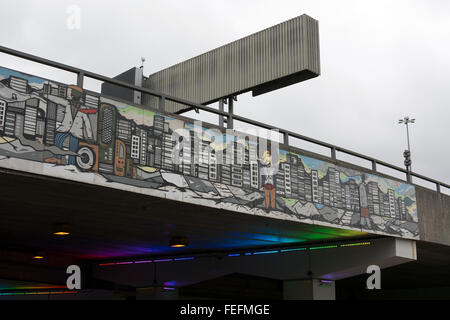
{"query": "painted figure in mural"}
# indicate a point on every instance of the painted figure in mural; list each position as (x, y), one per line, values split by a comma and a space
(365, 220)
(268, 180)
(76, 125)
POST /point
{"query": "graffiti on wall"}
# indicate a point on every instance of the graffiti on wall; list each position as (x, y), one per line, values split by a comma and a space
(68, 132)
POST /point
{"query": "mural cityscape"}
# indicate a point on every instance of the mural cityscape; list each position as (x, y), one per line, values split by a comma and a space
(76, 134)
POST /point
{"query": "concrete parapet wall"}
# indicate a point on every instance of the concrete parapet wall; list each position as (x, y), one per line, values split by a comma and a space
(434, 223)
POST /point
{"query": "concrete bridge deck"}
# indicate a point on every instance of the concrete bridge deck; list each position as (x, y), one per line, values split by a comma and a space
(129, 177)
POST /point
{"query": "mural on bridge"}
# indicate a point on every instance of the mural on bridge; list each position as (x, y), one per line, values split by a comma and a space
(63, 131)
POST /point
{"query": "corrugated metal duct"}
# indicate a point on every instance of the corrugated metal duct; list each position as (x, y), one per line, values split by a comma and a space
(276, 57)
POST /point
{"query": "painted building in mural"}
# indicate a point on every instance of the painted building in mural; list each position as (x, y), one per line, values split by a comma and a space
(65, 126)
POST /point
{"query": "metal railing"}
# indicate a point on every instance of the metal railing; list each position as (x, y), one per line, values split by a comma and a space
(228, 115)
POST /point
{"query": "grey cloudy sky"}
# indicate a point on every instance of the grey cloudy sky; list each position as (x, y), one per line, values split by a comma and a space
(381, 60)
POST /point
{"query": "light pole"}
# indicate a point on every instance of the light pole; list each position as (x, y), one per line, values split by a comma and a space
(407, 153)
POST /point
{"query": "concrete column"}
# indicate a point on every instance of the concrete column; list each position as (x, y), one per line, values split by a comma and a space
(313, 289)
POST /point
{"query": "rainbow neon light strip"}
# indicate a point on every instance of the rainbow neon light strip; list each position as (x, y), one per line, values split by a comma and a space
(244, 253)
(36, 293)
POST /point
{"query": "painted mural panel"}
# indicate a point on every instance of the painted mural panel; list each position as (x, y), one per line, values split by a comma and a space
(64, 131)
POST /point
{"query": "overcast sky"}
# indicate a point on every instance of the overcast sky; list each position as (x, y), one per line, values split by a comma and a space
(380, 60)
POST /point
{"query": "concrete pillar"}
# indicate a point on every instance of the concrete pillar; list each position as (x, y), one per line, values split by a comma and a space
(313, 289)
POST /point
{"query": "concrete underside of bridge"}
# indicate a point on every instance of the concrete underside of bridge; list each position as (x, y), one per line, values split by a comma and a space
(110, 225)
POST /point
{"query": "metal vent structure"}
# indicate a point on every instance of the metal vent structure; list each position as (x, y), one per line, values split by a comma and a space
(279, 56)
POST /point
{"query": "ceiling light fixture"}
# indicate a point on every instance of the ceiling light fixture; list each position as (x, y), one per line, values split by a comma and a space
(62, 229)
(179, 242)
(38, 255)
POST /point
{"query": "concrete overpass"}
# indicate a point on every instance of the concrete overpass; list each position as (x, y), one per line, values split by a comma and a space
(129, 178)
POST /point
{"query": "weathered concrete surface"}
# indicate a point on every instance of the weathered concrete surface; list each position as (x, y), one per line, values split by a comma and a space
(434, 216)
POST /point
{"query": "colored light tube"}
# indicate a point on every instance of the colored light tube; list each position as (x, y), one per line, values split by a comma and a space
(164, 260)
(291, 250)
(265, 252)
(143, 261)
(35, 293)
(169, 289)
(234, 254)
(125, 262)
(183, 259)
(355, 244)
(326, 281)
(323, 247)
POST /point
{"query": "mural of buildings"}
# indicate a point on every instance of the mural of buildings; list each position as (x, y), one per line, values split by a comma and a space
(70, 127)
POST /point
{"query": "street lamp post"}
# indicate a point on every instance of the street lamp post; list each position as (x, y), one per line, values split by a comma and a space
(407, 153)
